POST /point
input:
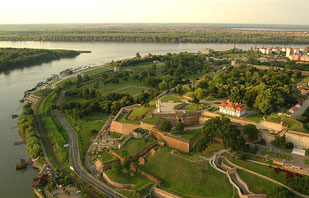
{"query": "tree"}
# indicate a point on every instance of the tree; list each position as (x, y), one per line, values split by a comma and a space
(165, 125)
(138, 56)
(195, 100)
(199, 93)
(163, 85)
(179, 127)
(251, 131)
(79, 79)
(116, 168)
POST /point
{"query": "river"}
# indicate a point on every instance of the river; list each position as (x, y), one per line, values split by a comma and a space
(13, 84)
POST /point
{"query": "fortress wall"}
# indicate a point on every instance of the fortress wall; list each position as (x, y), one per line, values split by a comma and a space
(236, 120)
(177, 144)
(159, 193)
(147, 126)
(272, 125)
(115, 184)
(109, 165)
(123, 127)
(298, 139)
(148, 147)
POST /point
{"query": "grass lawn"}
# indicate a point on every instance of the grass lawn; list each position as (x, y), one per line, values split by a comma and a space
(140, 112)
(121, 118)
(138, 180)
(105, 88)
(213, 148)
(152, 103)
(188, 134)
(152, 120)
(189, 94)
(293, 125)
(41, 92)
(132, 90)
(171, 98)
(115, 135)
(210, 98)
(133, 146)
(261, 169)
(54, 131)
(196, 107)
(107, 157)
(306, 161)
(256, 184)
(255, 117)
(186, 177)
(277, 155)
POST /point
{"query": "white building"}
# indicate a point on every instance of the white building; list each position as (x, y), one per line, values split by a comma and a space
(233, 109)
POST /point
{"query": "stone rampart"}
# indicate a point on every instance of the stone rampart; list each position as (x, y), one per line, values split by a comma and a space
(159, 193)
(297, 138)
(109, 165)
(235, 120)
(123, 128)
(272, 125)
(115, 184)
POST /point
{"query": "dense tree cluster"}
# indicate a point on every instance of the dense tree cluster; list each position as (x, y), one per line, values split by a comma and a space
(220, 127)
(266, 90)
(156, 36)
(20, 57)
(109, 103)
(27, 131)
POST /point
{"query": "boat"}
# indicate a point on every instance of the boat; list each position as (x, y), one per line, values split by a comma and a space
(22, 100)
(14, 115)
(21, 164)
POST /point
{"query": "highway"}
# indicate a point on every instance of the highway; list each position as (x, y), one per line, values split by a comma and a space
(76, 162)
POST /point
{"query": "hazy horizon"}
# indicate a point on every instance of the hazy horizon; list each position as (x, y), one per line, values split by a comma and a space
(264, 12)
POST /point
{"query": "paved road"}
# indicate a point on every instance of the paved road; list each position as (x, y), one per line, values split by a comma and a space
(301, 110)
(76, 162)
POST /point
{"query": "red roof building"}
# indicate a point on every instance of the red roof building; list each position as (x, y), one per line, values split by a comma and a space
(234, 109)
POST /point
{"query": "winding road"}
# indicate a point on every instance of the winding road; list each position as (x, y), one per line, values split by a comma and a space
(76, 162)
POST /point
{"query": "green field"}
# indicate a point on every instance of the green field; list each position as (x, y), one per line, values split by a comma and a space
(256, 184)
(188, 134)
(261, 169)
(187, 178)
(137, 179)
(133, 146)
(56, 135)
(255, 117)
(277, 155)
(107, 157)
(189, 94)
(121, 118)
(152, 120)
(132, 90)
(171, 98)
(293, 125)
(41, 92)
(140, 112)
(210, 98)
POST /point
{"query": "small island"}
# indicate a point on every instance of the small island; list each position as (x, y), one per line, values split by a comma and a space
(11, 58)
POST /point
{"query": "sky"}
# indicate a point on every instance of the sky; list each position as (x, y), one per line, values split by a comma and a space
(154, 11)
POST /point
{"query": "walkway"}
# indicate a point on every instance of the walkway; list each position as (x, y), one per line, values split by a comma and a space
(267, 178)
(301, 110)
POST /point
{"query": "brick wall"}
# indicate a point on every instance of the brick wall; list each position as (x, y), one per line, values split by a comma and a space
(118, 156)
(123, 127)
(109, 165)
(159, 193)
(171, 141)
(156, 181)
(148, 147)
(272, 125)
(115, 184)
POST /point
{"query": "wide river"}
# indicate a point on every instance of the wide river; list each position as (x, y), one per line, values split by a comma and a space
(15, 184)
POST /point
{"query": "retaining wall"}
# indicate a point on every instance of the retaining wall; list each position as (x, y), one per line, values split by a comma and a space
(297, 138)
(123, 127)
(159, 193)
(115, 184)
(172, 141)
(236, 120)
